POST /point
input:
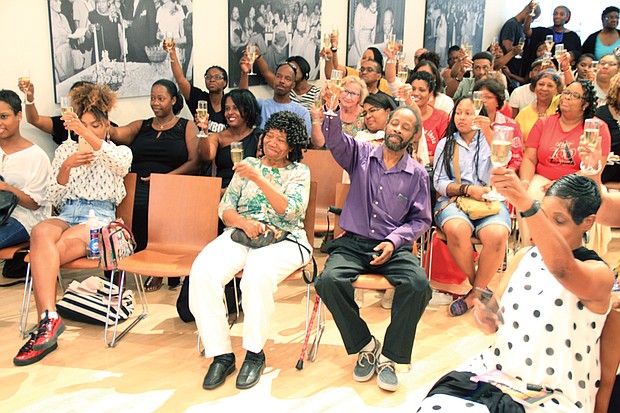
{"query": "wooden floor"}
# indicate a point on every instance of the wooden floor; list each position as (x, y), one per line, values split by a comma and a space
(157, 367)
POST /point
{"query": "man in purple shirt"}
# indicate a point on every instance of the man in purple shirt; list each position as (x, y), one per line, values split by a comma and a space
(387, 209)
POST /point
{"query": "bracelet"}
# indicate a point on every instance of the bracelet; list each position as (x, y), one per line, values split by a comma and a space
(462, 189)
(525, 181)
(317, 122)
(26, 102)
(457, 79)
(334, 49)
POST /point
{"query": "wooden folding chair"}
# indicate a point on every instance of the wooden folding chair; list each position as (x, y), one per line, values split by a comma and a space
(124, 210)
(326, 173)
(182, 221)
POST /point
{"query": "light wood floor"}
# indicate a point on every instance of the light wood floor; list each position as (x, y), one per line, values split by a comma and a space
(157, 367)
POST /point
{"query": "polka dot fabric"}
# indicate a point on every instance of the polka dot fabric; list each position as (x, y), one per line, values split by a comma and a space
(549, 337)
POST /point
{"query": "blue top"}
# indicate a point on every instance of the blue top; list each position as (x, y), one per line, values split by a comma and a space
(269, 106)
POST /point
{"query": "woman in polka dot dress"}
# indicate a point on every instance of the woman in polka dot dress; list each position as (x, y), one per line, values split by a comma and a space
(553, 310)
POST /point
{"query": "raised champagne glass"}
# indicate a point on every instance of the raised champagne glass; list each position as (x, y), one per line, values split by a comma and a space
(236, 152)
(521, 44)
(201, 115)
(559, 51)
(169, 43)
(327, 43)
(534, 5)
(333, 85)
(591, 163)
(500, 154)
(251, 50)
(24, 81)
(392, 46)
(66, 106)
(477, 98)
(549, 42)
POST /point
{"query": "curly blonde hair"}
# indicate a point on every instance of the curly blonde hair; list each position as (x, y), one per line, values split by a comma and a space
(613, 93)
(97, 99)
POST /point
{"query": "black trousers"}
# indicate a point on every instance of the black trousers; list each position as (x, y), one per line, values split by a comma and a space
(350, 256)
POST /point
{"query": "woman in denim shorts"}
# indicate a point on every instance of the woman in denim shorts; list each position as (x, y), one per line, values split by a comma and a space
(85, 176)
(474, 160)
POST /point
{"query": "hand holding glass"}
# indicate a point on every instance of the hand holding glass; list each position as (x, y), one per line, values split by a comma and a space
(251, 50)
(500, 154)
(169, 43)
(333, 86)
(201, 115)
(66, 106)
(520, 44)
(478, 103)
(591, 141)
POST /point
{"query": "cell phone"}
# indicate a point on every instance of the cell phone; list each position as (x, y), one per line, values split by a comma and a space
(83, 145)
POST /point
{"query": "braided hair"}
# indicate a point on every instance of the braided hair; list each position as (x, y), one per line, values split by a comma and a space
(295, 129)
(450, 146)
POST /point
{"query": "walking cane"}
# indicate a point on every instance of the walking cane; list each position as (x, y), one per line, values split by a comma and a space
(304, 347)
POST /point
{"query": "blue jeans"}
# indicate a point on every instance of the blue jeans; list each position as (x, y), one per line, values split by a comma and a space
(76, 211)
(12, 233)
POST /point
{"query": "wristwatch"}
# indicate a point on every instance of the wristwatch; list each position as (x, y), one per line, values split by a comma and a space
(334, 49)
(533, 209)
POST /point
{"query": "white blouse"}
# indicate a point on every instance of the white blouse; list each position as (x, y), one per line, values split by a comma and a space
(28, 170)
(101, 181)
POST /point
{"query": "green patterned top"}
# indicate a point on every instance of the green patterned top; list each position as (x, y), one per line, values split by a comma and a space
(248, 200)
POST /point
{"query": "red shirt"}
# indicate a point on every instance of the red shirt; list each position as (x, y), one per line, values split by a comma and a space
(558, 153)
(435, 128)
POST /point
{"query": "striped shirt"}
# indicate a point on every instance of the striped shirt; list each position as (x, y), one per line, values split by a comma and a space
(307, 98)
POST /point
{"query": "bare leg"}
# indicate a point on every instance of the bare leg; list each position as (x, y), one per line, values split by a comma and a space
(458, 233)
(53, 243)
(493, 239)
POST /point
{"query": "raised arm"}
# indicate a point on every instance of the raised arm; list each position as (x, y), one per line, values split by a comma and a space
(43, 123)
(125, 135)
(177, 71)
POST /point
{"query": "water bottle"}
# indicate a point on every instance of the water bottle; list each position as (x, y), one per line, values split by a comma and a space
(92, 250)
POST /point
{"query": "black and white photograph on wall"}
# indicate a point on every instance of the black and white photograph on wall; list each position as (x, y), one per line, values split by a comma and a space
(450, 23)
(371, 23)
(118, 42)
(279, 28)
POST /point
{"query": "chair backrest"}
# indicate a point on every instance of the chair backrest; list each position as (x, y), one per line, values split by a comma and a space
(326, 173)
(311, 213)
(183, 211)
(342, 190)
(124, 210)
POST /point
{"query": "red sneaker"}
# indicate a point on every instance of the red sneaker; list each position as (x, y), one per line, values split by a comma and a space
(48, 331)
(27, 355)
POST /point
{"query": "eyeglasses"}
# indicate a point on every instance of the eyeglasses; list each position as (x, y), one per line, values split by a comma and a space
(572, 95)
(612, 17)
(370, 111)
(351, 93)
(610, 64)
(215, 77)
(367, 69)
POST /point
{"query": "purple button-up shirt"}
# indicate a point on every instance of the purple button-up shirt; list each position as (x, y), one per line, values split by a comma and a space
(382, 204)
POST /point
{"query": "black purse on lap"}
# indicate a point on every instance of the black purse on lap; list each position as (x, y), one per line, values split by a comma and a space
(8, 202)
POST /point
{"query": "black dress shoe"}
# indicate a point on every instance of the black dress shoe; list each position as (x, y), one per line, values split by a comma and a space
(251, 370)
(222, 367)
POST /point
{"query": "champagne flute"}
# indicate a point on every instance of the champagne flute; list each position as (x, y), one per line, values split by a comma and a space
(521, 44)
(392, 46)
(327, 42)
(66, 107)
(334, 86)
(534, 5)
(335, 31)
(549, 42)
(317, 101)
(201, 115)
(169, 43)
(251, 51)
(236, 152)
(591, 163)
(24, 80)
(470, 55)
(546, 60)
(559, 51)
(477, 98)
(403, 74)
(500, 154)
(594, 67)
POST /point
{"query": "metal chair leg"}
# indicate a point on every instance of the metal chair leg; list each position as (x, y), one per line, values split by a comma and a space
(25, 307)
(145, 310)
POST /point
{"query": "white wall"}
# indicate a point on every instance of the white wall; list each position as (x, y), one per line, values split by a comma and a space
(24, 26)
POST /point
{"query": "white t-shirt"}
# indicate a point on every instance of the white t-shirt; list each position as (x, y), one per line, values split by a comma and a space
(28, 170)
(521, 97)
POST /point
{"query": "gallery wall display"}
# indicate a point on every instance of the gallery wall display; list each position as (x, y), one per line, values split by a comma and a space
(450, 23)
(118, 42)
(279, 28)
(370, 24)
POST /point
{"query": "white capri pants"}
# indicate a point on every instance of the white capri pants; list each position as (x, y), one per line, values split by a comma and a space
(263, 268)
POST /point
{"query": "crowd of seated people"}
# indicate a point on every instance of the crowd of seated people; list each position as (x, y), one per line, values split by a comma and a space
(401, 142)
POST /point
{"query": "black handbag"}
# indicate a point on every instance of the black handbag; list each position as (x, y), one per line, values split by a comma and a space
(271, 235)
(8, 202)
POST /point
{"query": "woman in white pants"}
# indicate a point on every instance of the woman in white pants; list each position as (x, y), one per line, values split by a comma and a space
(271, 190)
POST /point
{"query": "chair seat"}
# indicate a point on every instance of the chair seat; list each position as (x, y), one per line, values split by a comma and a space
(294, 276)
(8, 252)
(156, 263)
(372, 282)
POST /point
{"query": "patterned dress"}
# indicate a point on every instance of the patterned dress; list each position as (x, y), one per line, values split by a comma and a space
(549, 338)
